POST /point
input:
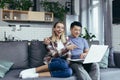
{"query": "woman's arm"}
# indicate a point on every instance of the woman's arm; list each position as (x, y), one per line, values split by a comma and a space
(46, 41)
(67, 48)
(49, 46)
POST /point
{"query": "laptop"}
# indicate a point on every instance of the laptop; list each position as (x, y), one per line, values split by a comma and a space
(95, 54)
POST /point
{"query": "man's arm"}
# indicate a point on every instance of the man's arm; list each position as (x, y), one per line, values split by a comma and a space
(84, 54)
(86, 51)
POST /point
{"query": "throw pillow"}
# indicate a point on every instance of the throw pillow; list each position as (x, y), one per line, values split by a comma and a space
(37, 53)
(104, 62)
(111, 62)
(4, 67)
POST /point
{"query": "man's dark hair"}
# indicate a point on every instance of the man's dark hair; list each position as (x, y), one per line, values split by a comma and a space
(75, 23)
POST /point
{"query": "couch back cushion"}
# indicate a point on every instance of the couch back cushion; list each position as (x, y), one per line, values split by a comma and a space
(117, 59)
(37, 52)
(16, 52)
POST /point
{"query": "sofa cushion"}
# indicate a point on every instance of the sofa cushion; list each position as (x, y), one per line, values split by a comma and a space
(55, 78)
(14, 75)
(16, 52)
(4, 67)
(104, 62)
(37, 53)
(110, 74)
(117, 59)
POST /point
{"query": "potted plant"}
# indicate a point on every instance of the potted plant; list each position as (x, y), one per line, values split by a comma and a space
(4, 3)
(88, 36)
(55, 7)
(1, 4)
(25, 4)
(16, 4)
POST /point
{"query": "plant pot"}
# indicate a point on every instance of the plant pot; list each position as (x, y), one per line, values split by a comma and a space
(6, 6)
(95, 42)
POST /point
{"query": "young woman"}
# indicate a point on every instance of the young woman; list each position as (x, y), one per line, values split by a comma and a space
(57, 64)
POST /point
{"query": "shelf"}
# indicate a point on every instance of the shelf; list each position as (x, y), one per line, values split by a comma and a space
(7, 15)
(16, 15)
(48, 16)
(20, 15)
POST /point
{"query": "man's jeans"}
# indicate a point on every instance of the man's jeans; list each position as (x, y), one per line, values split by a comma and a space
(86, 71)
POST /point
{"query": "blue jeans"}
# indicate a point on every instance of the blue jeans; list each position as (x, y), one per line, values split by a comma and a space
(59, 68)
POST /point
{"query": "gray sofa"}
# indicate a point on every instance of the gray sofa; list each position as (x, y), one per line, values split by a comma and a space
(113, 70)
(26, 54)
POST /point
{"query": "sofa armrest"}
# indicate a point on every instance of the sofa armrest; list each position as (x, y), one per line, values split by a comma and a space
(117, 59)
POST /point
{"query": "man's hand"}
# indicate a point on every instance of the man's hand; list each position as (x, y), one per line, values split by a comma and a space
(71, 47)
(83, 55)
(47, 41)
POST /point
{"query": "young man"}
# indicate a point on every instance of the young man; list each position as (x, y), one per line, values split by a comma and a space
(82, 71)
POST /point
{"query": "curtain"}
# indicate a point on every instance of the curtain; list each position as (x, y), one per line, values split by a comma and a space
(84, 12)
(107, 8)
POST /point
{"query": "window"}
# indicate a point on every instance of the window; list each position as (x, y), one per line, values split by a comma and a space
(94, 18)
(91, 17)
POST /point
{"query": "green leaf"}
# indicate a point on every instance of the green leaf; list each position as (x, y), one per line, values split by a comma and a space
(55, 7)
(88, 36)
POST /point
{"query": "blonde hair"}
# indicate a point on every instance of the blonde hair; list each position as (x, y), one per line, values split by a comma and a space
(54, 37)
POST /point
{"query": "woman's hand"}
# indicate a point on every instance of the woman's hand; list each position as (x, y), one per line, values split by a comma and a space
(71, 47)
(83, 55)
(47, 41)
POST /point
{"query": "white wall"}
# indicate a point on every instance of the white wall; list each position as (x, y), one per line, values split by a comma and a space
(26, 33)
(68, 21)
(116, 37)
(37, 30)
